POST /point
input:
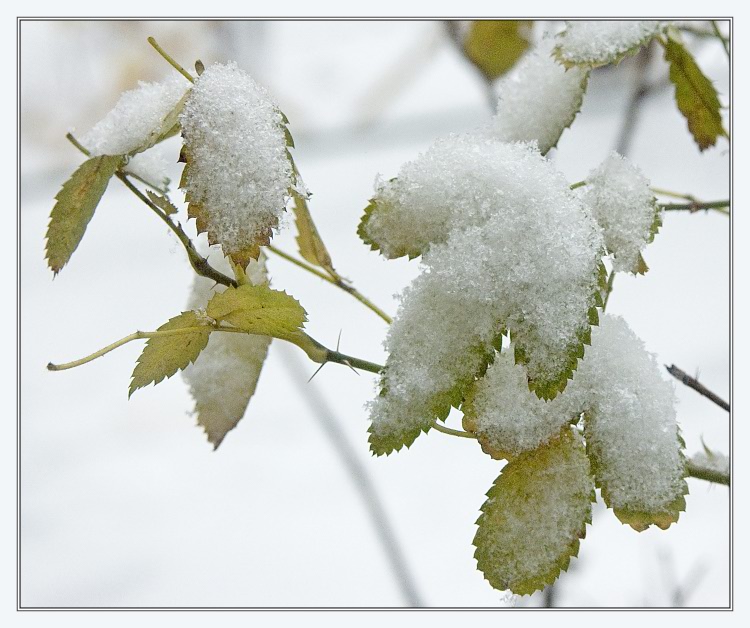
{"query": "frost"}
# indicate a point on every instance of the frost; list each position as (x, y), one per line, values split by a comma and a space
(238, 166)
(520, 252)
(224, 377)
(539, 100)
(596, 43)
(138, 114)
(621, 201)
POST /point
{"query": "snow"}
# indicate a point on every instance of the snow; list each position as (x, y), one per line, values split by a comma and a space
(593, 43)
(622, 202)
(539, 99)
(137, 115)
(239, 168)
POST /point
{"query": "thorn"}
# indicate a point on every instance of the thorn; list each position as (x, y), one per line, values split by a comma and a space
(316, 372)
(350, 366)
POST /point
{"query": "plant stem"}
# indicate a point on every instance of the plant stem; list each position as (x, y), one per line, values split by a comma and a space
(663, 192)
(170, 60)
(577, 185)
(694, 206)
(452, 432)
(724, 40)
(336, 281)
(197, 261)
(138, 335)
(610, 283)
(708, 474)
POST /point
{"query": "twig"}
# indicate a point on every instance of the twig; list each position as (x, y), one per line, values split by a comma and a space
(724, 41)
(693, 383)
(706, 473)
(365, 486)
(719, 206)
(336, 281)
(452, 432)
(641, 89)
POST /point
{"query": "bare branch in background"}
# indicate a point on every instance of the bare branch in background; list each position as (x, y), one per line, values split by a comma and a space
(693, 383)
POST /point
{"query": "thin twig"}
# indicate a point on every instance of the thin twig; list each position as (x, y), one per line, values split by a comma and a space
(719, 206)
(452, 432)
(641, 89)
(707, 473)
(693, 383)
(366, 488)
(336, 281)
(724, 41)
(170, 60)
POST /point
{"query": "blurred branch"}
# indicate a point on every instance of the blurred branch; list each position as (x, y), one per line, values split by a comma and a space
(692, 382)
(331, 427)
(641, 89)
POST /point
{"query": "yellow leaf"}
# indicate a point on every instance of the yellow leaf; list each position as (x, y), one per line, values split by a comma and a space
(494, 46)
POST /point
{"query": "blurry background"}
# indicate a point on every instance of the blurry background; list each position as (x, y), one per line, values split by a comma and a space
(124, 503)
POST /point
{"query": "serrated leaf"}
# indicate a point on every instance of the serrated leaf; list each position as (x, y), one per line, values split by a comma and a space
(201, 214)
(162, 202)
(535, 515)
(75, 206)
(695, 94)
(309, 242)
(494, 46)
(163, 356)
(633, 514)
(259, 310)
(224, 380)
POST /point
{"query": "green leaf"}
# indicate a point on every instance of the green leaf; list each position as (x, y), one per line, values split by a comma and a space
(535, 515)
(494, 46)
(695, 94)
(163, 356)
(162, 202)
(259, 310)
(309, 242)
(76, 203)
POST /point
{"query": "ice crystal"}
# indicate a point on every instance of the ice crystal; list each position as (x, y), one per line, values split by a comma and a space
(594, 43)
(622, 203)
(539, 100)
(138, 114)
(238, 172)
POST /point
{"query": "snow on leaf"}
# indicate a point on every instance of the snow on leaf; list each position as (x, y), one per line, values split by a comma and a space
(695, 94)
(75, 206)
(238, 170)
(623, 205)
(494, 46)
(539, 100)
(163, 356)
(590, 44)
(258, 310)
(224, 379)
(631, 431)
(535, 515)
(141, 118)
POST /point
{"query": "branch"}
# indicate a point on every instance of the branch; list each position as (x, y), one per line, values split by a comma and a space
(693, 383)
(721, 206)
(707, 473)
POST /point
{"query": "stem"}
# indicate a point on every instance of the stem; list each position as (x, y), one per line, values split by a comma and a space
(577, 185)
(663, 192)
(724, 41)
(138, 335)
(197, 261)
(692, 382)
(610, 283)
(452, 432)
(335, 281)
(170, 60)
(697, 206)
(706, 473)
